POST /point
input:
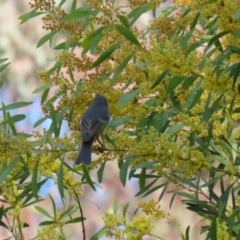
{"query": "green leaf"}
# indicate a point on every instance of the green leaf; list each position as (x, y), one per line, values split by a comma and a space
(187, 233)
(123, 20)
(67, 44)
(175, 102)
(87, 40)
(192, 47)
(80, 13)
(190, 101)
(54, 124)
(40, 121)
(18, 118)
(11, 124)
(118, 122)
(3, 66)
(74, 5)
(115, 207)
(1, 84)
(214, 39)
(153, 189)
(57, 66)
(189, 81)
(125, 208)
(79, 86)
(212, 23)
(123, 172)
(16, 105)
(94, 43)
(43, 212)
(120, 68)
(99, 234)
(124, 99)
(60, 180)
(4, 116)
(35, 180)
(42, 88)
(54, 98)
(72, 209)
(194, 22)
(54, 205)
(87, 177)
(209, 111)
(146, 188)
(163, 192)
(6, 170)
(174, 129)
(160, 78)
(236, 15)
(45, 223)
(25, 17)
(128, 35)
(61, 3)
(3, 60)
(142, 178)
(234, 49)
(105, 55)
(101, 171)
(75, 220)
(137, 12)
(213, 229)
(45, 38)
(174, 82)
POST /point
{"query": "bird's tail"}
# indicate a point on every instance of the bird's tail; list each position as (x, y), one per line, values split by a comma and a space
(85, 153)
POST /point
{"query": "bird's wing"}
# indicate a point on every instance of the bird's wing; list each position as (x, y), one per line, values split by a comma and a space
(89, 128)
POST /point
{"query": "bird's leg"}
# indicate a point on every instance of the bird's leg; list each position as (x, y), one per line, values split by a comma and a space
(101, 147)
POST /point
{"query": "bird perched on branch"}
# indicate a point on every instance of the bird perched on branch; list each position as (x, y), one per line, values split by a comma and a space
(94, 117)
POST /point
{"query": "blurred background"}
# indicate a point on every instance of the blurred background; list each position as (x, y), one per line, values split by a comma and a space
(18, 43)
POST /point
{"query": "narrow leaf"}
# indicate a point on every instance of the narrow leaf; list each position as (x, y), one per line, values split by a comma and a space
(25, 17)
(105, 54)
(40, 121)
(160, 78)
(99, 234)
(80, 13)
(43, 212)
(3, 66)
(34, 180)
(17, 105)
(87, 177)
(128, 35)
(60, 180)
(124, 99)
(115, 207)
(46, 38)
(4, 173)
(42, 88)
(120, 68)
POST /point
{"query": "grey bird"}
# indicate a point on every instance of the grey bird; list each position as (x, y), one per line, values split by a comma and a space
(91, 123)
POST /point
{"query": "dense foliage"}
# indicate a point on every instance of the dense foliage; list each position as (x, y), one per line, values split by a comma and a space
(173, 92)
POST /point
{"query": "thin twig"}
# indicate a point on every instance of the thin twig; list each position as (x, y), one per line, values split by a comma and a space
(20, 228)
(81, 213)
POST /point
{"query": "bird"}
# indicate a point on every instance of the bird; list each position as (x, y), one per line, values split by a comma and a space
(93, 118)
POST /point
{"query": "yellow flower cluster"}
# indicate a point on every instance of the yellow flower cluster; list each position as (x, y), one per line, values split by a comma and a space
(120, 228)
(11, 196)
(73, 185)
(53, 19)
(49, 232)
(138, 3)
(153, 208)
(12, 146)
(222, 231)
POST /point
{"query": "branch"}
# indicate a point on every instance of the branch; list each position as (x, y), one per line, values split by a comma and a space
(81, 214)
